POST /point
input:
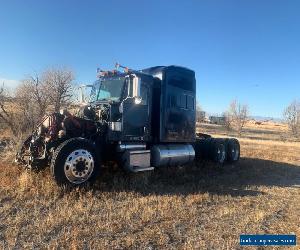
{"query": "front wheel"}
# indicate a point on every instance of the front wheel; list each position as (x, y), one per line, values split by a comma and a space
(75, 163)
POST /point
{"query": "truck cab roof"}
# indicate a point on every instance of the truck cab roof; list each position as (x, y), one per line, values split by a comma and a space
(156, 69)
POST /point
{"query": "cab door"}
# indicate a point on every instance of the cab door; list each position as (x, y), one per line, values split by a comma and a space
(136, 122)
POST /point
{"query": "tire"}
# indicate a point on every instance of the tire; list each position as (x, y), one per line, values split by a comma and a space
(75, 163)
(217, 151)
(200, 147)
(121, 162)
(233, 150)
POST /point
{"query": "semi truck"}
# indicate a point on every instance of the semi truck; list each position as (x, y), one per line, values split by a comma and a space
(140, 119)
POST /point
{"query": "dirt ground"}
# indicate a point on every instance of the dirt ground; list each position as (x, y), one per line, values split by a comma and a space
(200, 206)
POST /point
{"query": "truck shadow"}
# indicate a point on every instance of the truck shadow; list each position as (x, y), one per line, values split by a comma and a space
(241, 179)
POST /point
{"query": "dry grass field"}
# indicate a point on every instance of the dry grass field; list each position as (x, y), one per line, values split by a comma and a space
(193, 207)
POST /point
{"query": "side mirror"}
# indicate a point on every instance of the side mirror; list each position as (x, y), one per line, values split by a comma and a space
(83, 93)
(136, 89)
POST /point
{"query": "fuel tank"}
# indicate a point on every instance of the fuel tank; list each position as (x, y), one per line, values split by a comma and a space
(171, 154)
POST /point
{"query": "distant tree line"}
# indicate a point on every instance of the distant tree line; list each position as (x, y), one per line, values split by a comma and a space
(235, 117)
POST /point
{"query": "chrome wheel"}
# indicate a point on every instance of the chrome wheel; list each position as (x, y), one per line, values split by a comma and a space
(79, 166)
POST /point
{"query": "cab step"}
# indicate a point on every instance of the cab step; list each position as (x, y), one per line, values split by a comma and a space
(137, 160)
(136, 169)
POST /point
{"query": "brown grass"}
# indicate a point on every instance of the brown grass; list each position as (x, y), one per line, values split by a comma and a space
(192, 207)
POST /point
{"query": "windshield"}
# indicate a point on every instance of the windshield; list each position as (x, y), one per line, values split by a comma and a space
(107, 89)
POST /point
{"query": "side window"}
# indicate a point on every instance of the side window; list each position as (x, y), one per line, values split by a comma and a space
(128, 91)
(182, 103)
(173, 101)
(190, 104)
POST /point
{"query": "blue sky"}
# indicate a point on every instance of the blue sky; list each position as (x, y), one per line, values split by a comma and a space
(246, 50)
